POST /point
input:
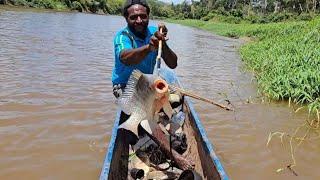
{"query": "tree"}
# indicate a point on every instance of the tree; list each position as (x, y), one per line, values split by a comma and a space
(3, 2)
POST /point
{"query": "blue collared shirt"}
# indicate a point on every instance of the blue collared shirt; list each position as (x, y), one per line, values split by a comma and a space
(125, 39)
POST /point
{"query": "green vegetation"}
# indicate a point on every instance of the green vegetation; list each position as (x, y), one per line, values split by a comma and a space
(48, 4)
(285, 57)
(233, 11)
(286, 61)
(94, 6)
(285, 53)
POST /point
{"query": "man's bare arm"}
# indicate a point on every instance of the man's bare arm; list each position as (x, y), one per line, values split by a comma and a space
(134, 56)
(169, 57)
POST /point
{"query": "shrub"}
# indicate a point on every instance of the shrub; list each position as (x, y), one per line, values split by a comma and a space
(279, 17)
(76, 6)
(263, 20)
(20, 3)
(114, 7)
(180, 16)
(304, 17)
(208, 17)
(252, 19)
(49, 4)
(236, 13)
(232, 34)
(230, 19)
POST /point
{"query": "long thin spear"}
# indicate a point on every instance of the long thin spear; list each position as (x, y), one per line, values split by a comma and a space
(159, 54)
(190, 94)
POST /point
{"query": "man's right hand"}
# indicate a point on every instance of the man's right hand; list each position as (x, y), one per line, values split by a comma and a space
(154, 43)
(157, 36)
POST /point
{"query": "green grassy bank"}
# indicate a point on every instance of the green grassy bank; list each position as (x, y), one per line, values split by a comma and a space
(285, 57)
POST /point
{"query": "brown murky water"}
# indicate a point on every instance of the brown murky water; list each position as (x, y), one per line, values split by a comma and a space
(57, 109)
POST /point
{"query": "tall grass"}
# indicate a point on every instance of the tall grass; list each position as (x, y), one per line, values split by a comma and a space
(285, 57)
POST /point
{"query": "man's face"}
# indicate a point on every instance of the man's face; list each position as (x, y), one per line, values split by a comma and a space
(138, 18)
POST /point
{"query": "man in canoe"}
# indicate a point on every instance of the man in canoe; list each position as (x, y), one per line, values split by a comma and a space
(136, 47)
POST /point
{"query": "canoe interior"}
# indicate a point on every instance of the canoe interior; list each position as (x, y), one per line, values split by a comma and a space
(197, 149)
(207, 164)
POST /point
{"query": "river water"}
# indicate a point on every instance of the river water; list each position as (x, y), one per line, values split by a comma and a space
(57, 109)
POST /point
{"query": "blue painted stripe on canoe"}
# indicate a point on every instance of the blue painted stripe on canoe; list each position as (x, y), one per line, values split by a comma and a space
(108, 158)
(213, 155)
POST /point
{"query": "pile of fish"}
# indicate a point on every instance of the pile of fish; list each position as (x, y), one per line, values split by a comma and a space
(150, 104)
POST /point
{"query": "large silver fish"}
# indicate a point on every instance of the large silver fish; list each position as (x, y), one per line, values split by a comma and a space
(143, 98)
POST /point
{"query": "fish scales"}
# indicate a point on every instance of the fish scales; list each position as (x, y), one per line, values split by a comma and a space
(143, 98)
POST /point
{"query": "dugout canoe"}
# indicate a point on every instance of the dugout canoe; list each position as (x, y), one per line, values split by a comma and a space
(207, 163)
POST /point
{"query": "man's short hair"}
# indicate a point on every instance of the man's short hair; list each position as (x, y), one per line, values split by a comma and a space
(129, 3)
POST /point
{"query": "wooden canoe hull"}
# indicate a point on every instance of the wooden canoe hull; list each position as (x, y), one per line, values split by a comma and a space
(208, 164)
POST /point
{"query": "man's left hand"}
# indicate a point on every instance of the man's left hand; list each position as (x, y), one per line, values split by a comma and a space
(158, 36)
(163, 34)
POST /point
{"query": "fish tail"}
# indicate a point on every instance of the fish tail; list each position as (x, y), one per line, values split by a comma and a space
(131, 124)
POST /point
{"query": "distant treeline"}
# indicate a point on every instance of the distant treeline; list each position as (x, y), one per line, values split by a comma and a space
(232, 11)
(235, 11)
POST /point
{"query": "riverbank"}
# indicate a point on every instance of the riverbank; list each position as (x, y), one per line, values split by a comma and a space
(31, 9)
(46, 4)
(285, 57)
(53, 5)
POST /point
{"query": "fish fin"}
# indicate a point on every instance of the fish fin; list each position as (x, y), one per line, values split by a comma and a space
(126, 100)
(168, 109)
(136, 94)
(131, 124)
(148, 125)
(132, 82)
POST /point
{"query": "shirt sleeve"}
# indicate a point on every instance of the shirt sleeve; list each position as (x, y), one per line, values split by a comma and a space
(153, 29)
(121, 42)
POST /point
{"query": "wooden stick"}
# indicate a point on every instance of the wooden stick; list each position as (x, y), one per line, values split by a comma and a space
(160, 48)
(200, 98)
(159, 54)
